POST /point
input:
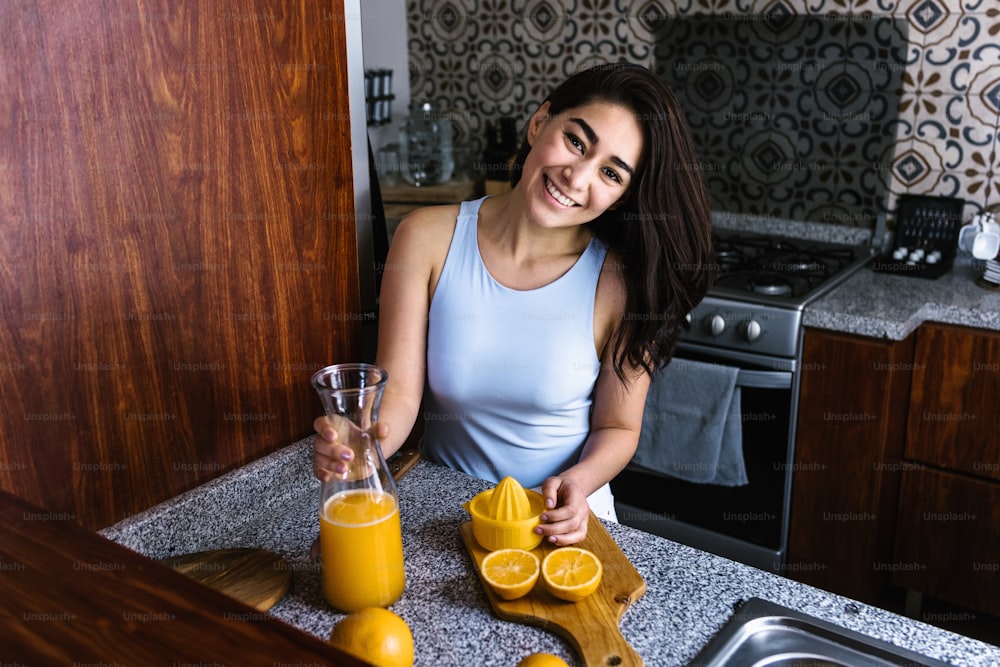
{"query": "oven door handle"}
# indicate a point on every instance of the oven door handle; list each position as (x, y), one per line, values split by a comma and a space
(764, 379)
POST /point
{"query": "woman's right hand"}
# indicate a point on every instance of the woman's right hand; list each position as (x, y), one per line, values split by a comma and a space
(330, 456)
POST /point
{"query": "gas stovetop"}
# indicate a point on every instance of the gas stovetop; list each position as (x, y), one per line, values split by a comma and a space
(778, 270)
(762, 284)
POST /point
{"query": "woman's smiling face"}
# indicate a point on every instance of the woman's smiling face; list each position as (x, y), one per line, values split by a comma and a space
(581, 162)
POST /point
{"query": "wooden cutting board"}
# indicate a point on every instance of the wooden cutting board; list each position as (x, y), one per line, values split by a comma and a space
(590, 625)
(256, 577)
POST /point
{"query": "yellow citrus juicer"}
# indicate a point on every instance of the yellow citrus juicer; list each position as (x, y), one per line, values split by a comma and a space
(505, 517)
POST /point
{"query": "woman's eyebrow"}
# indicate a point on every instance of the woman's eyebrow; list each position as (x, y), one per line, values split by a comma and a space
(587, 129)
(592, 138)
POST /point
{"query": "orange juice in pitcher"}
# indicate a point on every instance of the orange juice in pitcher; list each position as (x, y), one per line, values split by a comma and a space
(362, 550)
(360, 536)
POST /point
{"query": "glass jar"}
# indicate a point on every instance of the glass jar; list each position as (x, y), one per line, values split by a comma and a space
(426, 154)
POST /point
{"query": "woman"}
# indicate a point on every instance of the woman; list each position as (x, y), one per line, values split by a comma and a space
(537, 316)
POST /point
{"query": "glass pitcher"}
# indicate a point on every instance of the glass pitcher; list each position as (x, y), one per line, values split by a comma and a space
(361, 542)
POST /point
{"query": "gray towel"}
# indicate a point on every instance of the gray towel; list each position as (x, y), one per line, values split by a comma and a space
(692, 427)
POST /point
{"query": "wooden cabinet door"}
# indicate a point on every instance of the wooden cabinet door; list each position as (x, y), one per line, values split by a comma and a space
(849, 439)
(178, 241)
(948, 533)
(954, 419)
(948, 538)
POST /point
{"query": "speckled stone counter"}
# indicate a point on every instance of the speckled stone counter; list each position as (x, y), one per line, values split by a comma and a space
(881, 305)
(690, 594)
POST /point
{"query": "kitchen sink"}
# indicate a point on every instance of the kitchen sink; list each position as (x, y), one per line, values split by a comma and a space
(764, 634)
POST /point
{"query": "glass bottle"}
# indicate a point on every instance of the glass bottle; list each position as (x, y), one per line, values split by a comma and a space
(426, 154)
(501, 148)
(361, 541)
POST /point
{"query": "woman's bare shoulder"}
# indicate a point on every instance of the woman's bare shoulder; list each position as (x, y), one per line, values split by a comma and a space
(428, 228)
(420, 244)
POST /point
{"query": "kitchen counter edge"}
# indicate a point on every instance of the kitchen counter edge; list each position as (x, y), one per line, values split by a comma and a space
(690, 593)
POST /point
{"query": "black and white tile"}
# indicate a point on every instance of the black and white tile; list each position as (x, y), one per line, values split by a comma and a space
(822, 110)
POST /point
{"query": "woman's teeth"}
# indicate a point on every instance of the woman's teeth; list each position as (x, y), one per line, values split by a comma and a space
(558, 196)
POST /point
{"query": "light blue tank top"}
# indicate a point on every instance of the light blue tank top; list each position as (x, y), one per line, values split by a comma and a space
(510, 373)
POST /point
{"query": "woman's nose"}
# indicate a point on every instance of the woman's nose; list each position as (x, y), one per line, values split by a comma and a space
(576, 174)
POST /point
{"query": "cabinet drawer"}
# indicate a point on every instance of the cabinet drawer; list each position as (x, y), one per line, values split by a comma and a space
(955, 399)
(948, 538)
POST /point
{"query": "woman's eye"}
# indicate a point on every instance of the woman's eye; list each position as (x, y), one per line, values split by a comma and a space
(612, 174)
(574, 141)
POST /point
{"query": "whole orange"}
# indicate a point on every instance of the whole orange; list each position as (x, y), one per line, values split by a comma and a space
(376, 636)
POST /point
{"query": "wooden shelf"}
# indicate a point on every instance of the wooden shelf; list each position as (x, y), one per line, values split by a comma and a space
(399, 200)
(446, 193)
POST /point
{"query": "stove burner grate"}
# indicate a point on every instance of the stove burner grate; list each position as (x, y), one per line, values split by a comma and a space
(777, 267)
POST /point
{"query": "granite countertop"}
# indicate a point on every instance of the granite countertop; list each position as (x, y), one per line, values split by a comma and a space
(881, 305)
(271, 504)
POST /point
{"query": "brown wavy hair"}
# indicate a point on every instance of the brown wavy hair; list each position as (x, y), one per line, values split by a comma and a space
(661, 231)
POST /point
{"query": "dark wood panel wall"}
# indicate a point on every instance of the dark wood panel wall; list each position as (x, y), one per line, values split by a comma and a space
(178, 250)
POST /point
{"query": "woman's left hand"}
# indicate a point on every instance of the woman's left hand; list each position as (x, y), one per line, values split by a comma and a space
(565, 518)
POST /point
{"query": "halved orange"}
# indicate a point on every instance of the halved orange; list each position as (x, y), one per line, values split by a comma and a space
(571, 573)
(511, 573)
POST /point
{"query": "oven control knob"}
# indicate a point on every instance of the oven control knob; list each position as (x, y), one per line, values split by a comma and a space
(751, 330)
(716, 325)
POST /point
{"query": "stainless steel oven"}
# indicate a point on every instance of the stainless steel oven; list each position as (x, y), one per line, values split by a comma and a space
(751, 320)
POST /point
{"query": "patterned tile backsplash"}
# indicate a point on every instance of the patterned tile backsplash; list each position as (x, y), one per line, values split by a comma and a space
(823, 110)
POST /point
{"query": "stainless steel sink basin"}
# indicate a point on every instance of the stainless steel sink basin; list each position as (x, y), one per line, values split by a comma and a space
(764, 634)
